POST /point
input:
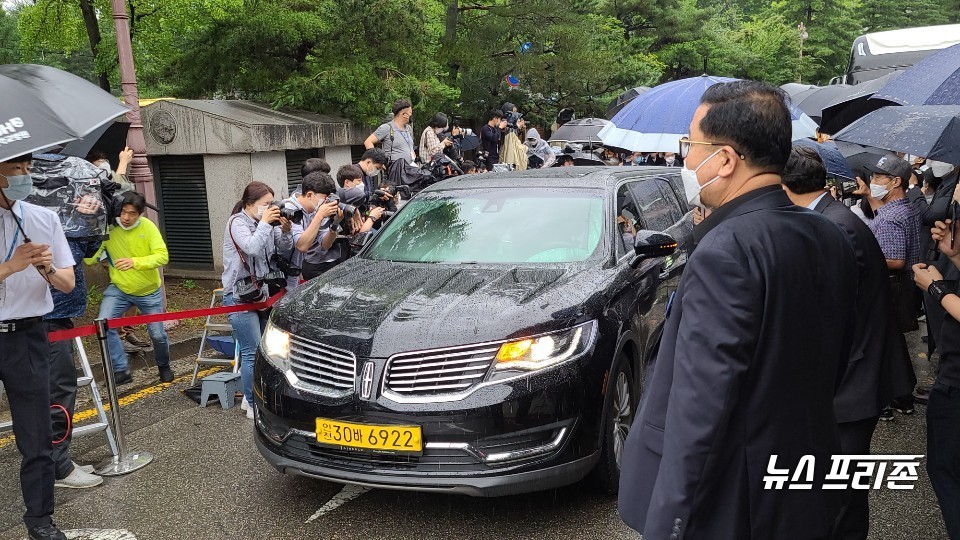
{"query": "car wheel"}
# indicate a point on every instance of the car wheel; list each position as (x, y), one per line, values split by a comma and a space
(619, 413)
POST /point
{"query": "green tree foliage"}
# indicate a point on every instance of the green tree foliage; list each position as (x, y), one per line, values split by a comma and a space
(354, 58)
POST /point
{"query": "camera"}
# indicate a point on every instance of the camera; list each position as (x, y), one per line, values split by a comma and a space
(347, 209)
(290, 214)
(275, 280)
(844, 186)
(284, 265)
(248, 290)
(512, 118)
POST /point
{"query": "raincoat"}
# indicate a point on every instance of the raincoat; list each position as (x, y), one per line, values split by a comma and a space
(514, 152)
(538, 147)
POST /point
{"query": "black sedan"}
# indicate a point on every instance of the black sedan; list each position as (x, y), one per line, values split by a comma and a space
(491, 339)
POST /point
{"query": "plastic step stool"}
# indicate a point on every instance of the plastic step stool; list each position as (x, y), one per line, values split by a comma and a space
(224, 385)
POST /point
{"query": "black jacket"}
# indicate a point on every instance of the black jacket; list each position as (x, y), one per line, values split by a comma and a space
(879, 367)
(739, 378)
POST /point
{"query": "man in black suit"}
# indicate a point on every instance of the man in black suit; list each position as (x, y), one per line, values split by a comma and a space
(879, 364)
(737, 378)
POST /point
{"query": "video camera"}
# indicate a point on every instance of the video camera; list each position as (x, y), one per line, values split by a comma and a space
(512, 118)
(384, 196)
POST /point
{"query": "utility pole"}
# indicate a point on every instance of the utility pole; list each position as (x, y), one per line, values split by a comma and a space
(140, 173)
(802, 28)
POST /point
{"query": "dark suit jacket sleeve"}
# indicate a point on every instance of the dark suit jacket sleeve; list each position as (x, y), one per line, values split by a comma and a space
(936, 210)
(722, 310)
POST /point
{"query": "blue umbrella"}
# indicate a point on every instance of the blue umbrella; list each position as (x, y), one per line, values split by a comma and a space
(833, 160)
(656, 120)
(932, 131)
(935, 80)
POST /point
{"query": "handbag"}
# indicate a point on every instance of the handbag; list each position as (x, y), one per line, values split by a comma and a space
(246, 290)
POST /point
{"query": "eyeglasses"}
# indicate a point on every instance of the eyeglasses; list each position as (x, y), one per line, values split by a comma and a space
(686, 143)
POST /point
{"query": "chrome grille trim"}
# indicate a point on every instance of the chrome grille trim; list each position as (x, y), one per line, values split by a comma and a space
(438, 372)
(321, 369)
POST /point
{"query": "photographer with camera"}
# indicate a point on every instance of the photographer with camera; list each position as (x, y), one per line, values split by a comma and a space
(135, 251)
(430, 142)
(350, 178)
(306, 209)
(396, 136)
(315, 236)
(373, 162)
(255, 233)
(490, 135)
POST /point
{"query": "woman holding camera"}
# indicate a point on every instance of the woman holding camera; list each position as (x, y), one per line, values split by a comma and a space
(255, 233)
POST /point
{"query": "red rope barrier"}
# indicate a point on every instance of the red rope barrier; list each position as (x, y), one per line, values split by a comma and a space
(91, 330)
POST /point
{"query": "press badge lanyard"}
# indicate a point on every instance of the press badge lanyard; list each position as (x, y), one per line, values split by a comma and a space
(16, 235)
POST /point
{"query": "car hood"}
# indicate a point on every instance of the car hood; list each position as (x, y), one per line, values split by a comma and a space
(380, 308)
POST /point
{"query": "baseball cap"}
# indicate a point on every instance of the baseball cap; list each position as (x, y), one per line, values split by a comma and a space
(891, 165)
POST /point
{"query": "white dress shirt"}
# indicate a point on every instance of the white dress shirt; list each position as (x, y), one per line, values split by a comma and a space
(27, 293)
(813, 205)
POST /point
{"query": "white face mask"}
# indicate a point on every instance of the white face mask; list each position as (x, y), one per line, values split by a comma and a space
(260, 211)
(878, 192)
(130, 228)
(105, 165)
(691, 186)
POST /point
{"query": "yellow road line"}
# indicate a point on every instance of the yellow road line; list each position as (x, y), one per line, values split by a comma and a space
(124, 401)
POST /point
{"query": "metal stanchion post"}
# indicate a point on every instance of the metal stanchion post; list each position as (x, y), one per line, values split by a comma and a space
(126, 461)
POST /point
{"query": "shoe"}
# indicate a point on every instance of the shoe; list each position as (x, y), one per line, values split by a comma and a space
(244, 406)
(46, 532)
(78, 479)
(904, 409)
(122, 377)
(249, 413)
(130, 348)
(85, 468)
(166, 374)
(886, 415)
(136, 340)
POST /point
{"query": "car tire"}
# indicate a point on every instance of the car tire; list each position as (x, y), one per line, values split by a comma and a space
(619, 411)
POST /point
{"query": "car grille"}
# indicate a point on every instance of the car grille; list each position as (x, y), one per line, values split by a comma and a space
(439, 372)
(322, 368)
(437, 461)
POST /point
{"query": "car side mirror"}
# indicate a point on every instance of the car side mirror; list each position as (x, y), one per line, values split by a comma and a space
(652, 245)
(362, 239)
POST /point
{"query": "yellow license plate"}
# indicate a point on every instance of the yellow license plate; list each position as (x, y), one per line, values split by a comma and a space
(370, 436)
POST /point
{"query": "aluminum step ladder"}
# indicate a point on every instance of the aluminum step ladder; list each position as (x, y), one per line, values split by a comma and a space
(86, 380)
(209, 329)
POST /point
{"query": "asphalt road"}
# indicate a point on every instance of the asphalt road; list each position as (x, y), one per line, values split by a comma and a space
(208, 481)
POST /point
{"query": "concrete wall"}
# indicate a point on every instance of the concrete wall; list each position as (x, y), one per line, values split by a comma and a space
(227, 176)
(271, 169)
(337, 156)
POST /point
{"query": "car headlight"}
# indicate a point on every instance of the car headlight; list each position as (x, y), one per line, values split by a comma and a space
(540, 352)
(276, 347)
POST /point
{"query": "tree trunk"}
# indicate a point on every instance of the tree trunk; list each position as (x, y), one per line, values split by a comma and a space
(450, 40)
(93, 34)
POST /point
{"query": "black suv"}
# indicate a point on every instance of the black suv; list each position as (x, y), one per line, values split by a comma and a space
(491, 339)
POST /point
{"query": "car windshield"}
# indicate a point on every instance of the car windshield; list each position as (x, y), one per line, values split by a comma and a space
(507, 226)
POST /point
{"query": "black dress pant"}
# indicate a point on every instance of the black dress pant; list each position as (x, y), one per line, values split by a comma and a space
(25, 371)
(943, 452)
(854, 519)
(63, 392)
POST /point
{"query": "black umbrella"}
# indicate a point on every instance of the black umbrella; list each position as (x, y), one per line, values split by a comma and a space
(110, 138)
(833, 160)
(932, 131)
(623, 99)
(44, 106)
(583, 130)
(860, 157)
(588, 159)
(813, 101)
(843, 110)
(935, 80)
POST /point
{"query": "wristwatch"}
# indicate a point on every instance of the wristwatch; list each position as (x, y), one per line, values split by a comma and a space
(939, 289)
(51, 271)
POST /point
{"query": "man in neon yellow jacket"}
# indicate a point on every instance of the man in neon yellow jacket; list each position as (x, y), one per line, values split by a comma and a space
(135, 251)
